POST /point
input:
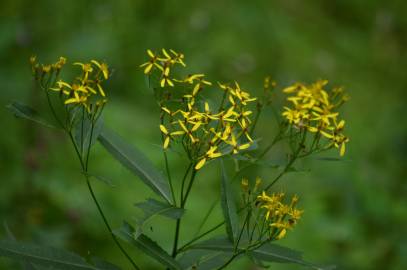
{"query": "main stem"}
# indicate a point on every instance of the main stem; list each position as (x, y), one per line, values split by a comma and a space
(84, 166)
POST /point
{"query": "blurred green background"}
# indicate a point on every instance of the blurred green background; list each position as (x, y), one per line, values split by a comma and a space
(355, 210)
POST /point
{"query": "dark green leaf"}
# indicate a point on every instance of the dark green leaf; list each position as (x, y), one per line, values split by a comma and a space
(23, 111)
(11, 237)
(47, 257)
(266, 253)
(101, 264)
(102, 179)
(204, 259)
(279, 254)
(148, 246)
(228, 206)
(330, 159)
(152, 208)
(221, 243)
(136, 162)
(256, 261)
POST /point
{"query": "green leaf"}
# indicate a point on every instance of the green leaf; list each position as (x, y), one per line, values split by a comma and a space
(148, 246)
(44, 256)
(256, 261)
(103, 264)
(102, 179)
(136, 162)
(275, 253)
(83, 133)
(266, 253)
(11, 237)
(228, 206)
(23, 111)
(219, 243)
(204, 259)
(331, 159)
(152, 208)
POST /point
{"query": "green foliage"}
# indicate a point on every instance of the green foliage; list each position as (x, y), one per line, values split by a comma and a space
(146, 245)
(268, 252)
(47, 257)
(136, 162)
(21, 110)
(152, 208)
(229, 206)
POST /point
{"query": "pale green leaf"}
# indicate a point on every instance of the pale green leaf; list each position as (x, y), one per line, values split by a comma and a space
(136, 162)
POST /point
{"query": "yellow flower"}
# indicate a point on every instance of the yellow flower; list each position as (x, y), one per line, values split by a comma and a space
(46, 68)
(102, 67)
(169, 135)
(165, 80)
(210, 154)
(151, 63)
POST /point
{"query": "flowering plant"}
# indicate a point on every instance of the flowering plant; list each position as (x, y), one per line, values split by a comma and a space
(203, 132)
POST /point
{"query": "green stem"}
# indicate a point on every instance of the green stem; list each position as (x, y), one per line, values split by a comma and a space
(191, 182)
(85, 169)
(256, 119)
(183, 202)
(108, 226)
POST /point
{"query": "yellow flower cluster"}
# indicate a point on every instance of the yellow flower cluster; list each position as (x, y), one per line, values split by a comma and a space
(204, 132)
(86, 90)
(40, 70)
(279, 216)
(163, 63)
(315, 109)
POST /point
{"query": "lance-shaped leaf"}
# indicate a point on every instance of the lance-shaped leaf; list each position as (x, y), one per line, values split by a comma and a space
(265, 253)
(49, 258)
(23, 111)
(153, 208)
(148, 246)
(210, 254)
(228, 206)
(136, 162)
(275, 253)
(11, 237)
(204, 259)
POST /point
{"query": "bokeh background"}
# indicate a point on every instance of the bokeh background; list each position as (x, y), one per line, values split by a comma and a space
(355, 210)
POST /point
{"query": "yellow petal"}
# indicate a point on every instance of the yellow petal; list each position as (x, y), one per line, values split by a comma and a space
(101, 90)
(342, 150)
(244, 146)
(200, 164)
(163, 129)
(166, 142)
(281, 235)
(150, 53)
(148, 68)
